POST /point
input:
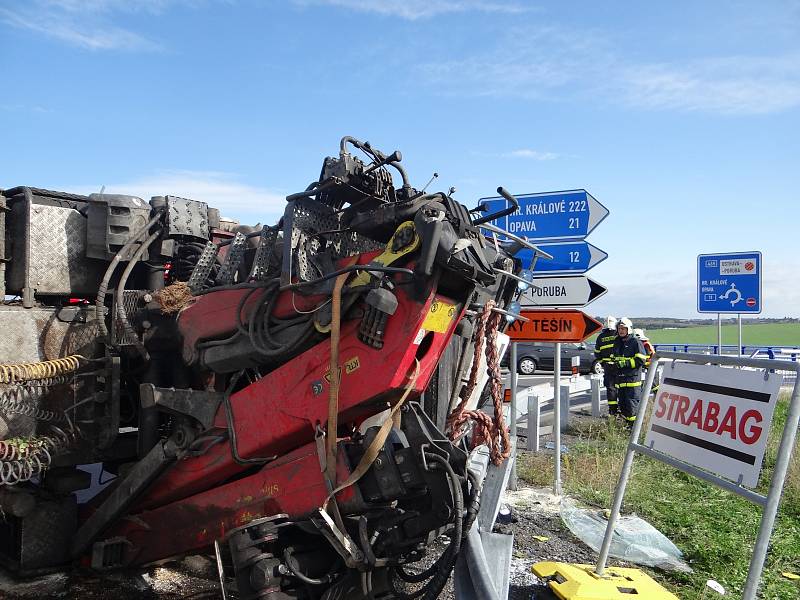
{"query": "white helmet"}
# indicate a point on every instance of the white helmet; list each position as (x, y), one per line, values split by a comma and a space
(627, 323)
(611, 322)
(639, 333)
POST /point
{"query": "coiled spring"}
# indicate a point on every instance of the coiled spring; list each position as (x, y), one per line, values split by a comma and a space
(21, 459)
(46, 369)
(17, 400)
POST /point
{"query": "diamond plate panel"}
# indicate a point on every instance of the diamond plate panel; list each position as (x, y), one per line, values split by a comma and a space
(57, 253)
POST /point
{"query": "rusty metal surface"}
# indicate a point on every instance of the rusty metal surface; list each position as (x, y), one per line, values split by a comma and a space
(36, 334)
(30, 336)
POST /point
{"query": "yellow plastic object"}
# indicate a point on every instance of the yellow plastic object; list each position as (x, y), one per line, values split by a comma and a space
(790, 575)
(580, 582)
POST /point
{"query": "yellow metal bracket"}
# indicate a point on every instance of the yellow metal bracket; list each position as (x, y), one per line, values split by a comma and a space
(580, 582)
(404, 240)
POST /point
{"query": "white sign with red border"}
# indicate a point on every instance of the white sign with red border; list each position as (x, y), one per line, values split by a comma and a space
(715, 418)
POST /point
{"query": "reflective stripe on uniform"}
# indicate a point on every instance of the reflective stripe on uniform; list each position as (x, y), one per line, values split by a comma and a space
(610, 402)
(641, 356)
(601, 348)
(633, 418)
(628, 384)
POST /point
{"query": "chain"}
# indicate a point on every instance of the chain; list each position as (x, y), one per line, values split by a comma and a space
(21, 459)
(492, 432)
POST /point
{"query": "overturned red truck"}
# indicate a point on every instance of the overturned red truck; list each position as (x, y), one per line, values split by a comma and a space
(299, 396)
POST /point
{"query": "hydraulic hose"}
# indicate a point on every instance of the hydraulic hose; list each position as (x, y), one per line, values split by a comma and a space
(444, 565)
(434, 588)
(103, 288)
(120, 293)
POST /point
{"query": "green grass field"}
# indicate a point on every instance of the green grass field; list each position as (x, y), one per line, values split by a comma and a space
(714, 529)
(768, 334)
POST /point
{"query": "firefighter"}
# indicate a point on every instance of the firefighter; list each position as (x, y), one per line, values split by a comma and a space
(629, 357)
(603, 348)
(648, 347)
(649, 350)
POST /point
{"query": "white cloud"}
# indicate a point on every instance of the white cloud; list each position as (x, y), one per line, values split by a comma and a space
(220, 190)
(530, 154)
(548, 62)
(420, 9)
(86, 24)
(734, 85)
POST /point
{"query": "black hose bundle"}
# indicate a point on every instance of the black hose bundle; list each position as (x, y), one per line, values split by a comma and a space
(263, 327)
(122, 253)
(187, 254)
(440, 571)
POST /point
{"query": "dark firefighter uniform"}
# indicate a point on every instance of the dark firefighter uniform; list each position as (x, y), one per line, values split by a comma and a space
(603, 350)
(629, 358)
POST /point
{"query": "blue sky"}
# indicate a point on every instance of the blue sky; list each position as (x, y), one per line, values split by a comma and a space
(681, 118)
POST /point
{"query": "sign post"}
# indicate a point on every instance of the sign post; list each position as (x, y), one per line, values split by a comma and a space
(739, 351)
(553, 326)
(557, 419)
(558, 222)
(512, 363)
(713, 423)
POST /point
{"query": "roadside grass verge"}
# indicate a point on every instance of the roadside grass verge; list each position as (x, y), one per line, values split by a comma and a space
(715, 529)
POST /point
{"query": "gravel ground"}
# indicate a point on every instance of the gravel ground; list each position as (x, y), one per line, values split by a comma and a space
(535, 517)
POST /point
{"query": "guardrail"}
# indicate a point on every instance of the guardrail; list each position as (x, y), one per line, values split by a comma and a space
(532, 400)
(787, 353)
(774, 352)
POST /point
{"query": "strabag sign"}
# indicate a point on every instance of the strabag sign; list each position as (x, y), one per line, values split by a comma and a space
(715, 418)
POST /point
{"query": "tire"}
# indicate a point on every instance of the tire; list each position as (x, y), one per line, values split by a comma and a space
(526, 366)
(597, 367)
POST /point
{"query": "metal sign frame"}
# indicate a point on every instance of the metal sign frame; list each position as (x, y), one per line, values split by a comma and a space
(768, 503)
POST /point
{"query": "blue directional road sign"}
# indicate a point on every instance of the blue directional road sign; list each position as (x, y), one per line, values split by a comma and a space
(568, 258)
(572, 214)
(729, 283)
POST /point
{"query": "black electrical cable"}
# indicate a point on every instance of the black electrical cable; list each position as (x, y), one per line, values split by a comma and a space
(187, 255)
(363, 536)
(350, 269)
(232, 429)
(294, 567)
